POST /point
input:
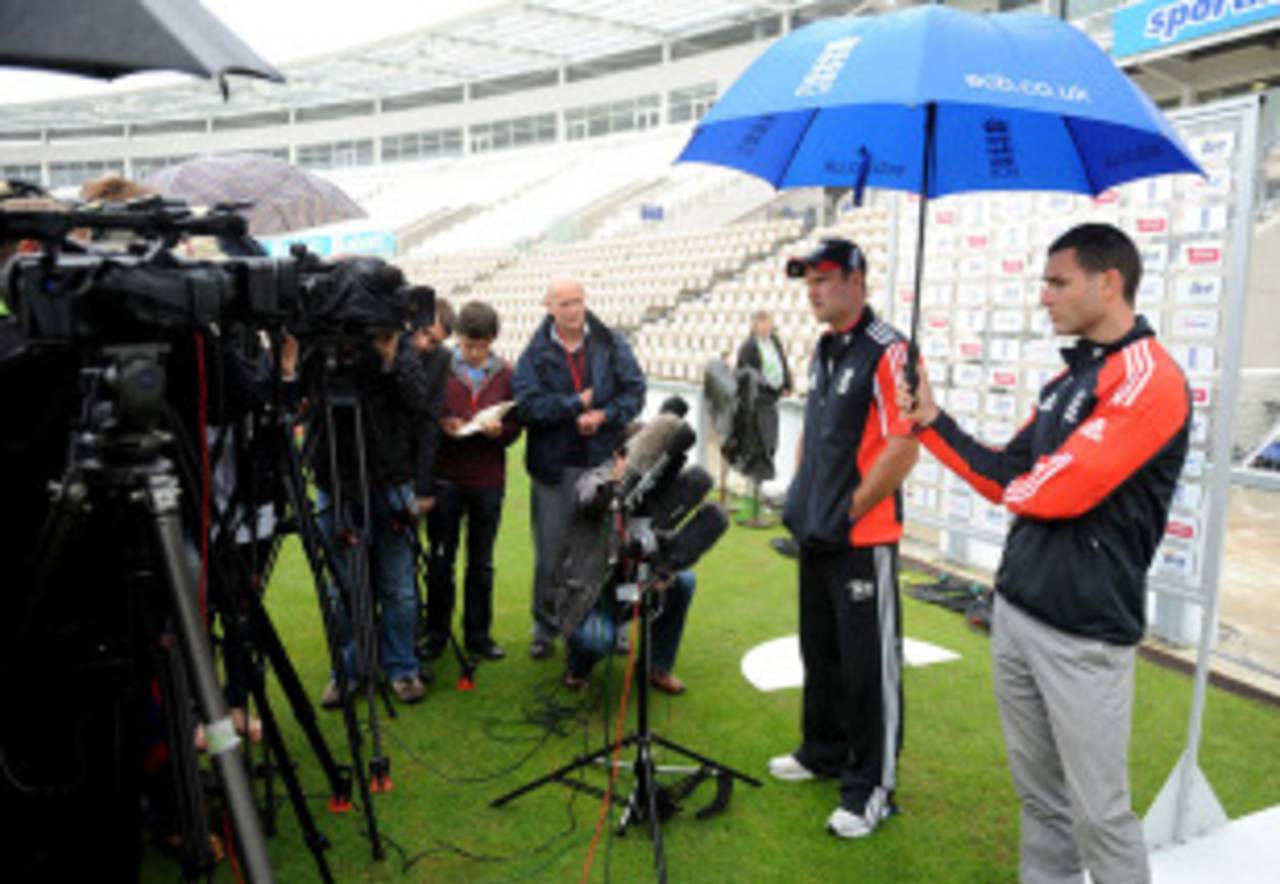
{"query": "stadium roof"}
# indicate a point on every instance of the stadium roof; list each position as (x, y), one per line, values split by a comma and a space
(507, 43)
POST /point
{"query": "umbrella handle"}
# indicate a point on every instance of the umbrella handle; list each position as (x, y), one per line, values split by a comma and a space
(911, 371)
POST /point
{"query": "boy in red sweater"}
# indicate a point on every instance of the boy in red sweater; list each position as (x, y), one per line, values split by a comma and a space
(470, 475)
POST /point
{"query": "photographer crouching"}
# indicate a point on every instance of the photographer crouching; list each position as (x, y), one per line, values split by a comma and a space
(588, 611)
(387, 388)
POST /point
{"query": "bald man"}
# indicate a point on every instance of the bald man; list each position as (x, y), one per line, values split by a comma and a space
(577, 385)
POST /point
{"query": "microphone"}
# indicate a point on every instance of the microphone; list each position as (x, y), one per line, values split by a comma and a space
(654, 456)
(679, 550)
(652, 441)
(668, 506)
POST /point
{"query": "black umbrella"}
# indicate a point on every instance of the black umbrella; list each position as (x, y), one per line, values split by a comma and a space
(111, 38)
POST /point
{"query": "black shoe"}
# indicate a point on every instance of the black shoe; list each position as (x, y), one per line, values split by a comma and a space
(486, 649)
(433, 646)
(541, 648)
(785, 546)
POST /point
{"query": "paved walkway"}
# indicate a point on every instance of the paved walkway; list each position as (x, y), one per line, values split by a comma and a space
(1244, 851)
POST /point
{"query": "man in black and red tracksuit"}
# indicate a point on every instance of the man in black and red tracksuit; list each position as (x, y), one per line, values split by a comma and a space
(1089, 478)
(844, 508)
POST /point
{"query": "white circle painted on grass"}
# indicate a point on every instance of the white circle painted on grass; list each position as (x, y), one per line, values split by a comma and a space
(775, 665)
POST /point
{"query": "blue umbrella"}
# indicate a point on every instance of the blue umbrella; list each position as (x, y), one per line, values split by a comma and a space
(938, 101)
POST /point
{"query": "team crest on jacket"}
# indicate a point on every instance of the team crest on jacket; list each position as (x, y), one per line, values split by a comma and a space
(845, 380)
(861, 590)
(1072, 414)
(1092, 430)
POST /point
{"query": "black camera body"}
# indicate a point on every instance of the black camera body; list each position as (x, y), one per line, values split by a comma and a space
(128, 296)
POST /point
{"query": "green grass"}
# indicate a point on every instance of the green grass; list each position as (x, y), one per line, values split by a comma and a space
(959, 820)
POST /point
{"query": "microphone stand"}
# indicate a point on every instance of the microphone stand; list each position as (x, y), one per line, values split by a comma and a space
(648, 800)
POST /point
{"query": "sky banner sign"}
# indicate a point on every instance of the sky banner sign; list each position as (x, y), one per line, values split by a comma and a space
(1144, 27)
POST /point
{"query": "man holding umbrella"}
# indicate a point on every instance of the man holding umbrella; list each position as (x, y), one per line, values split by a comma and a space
(1089, 479)
(845, 510)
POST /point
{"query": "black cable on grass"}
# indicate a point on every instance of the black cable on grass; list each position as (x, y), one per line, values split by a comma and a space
(441, 848)
(466, 780)
(547, 713)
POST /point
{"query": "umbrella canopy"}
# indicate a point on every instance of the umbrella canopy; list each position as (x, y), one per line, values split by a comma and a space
(1019, 101)
(111, 38)
(281, 196)
(937, 101)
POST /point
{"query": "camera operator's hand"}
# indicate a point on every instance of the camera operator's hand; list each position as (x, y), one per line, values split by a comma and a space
(451, 425)
(386, 343)
(590, 421)
(426, 505)
(585, 398)
(289, 357)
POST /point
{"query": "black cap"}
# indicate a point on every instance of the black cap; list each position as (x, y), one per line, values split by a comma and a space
(831, 254)
(674, 405)
(13, 188)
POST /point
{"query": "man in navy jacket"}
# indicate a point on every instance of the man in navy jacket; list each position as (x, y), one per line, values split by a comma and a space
(577, 385)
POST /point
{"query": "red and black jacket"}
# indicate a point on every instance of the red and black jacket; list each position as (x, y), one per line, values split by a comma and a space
(476, 461)
(1090, 478)
(849, 416)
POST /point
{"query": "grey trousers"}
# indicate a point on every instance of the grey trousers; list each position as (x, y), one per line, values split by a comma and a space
(1066, 705)
(551, 509)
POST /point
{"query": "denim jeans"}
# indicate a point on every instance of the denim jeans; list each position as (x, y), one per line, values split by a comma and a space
(596, 634)
(481, 508)
(391, 577)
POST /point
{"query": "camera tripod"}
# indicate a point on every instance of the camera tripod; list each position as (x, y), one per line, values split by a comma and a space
(648, 801)
(348, 567)
(251, 643)
(117, 466)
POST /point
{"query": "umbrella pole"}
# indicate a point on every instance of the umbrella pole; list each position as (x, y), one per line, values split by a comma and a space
(913, 348)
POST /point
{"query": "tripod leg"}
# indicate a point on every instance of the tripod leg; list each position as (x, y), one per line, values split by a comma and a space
(160, 497)
(315, 840)
(193, 819)
(647, 784)
(559, 774)
(249, 629)
(709, 762)
(319, 550)
(267, 638)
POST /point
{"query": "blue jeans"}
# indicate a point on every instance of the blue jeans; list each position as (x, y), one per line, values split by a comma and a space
(391, 577)
(598, 631)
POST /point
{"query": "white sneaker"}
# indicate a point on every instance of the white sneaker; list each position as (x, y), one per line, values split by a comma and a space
(789, 768)
(846, 824)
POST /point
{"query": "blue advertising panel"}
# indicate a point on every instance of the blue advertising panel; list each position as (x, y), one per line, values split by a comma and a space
(368, 242)
(278, 246)
(1159, 23)
(359, 242)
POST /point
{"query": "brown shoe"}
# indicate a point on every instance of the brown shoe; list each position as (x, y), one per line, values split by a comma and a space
(573, 682)
(667, 683)
(408, 690)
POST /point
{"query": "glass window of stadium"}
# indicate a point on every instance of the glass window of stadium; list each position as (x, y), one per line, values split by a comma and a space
(596, 120)
(32, 173)
(73, 174)
(687, 105)
(336, 155)
(518, 132)
(422, 145)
